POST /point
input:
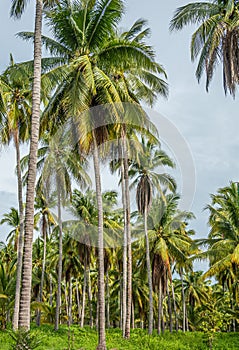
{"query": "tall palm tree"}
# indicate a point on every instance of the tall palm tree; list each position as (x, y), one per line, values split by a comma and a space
(223, 239)
(16, 108)
(148, 179)
(170, 241)
(17, 9)
(215, 40)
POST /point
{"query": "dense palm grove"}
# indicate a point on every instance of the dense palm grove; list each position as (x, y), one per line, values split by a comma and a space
(112, 263)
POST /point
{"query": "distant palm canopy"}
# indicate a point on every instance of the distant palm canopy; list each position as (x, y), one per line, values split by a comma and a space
(215, 41)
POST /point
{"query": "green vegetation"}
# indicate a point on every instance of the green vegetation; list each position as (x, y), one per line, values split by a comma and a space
(110, 266)
(86, 339)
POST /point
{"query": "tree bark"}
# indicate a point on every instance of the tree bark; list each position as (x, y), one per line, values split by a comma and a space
(101, 289)
(78, 300)
(160, 307)
(169, 310)
(21, 234)
(70, 303)
(44, 234)
(151, 312)
(58, 297)
(107, 300)
(124, 272)
(183, 300)
(83, 298)
(175, 308)
(89, 295)
(51, 291)
(128, 230)
(25, 299)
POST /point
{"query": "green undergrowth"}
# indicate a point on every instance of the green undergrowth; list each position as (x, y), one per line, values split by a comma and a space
(86, 339)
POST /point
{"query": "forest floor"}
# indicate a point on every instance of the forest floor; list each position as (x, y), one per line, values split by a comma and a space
(86, 339)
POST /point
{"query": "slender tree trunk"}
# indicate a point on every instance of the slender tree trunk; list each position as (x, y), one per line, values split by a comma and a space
(70, 303)
(25, 299)
(129, 252)
(151, 312)
(121, 303)
(101, 289)
(51, 291)
(183, 300)
(44, 234)
(175, 308)
(169, 310)
(160, 307)
(78, 301)
(58, 297)
(21, 234)
(83, 298)
(133, 317)
(89, 295)
(124, 276)
(66, 301)
(107, 300)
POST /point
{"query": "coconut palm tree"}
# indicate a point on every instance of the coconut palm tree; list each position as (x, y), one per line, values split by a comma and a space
(170, 241)
(16, 95)
(215, 40)
(17, 9)
(223, 239)
(147, 179)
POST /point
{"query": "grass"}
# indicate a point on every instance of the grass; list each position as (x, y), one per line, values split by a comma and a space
(86, 339)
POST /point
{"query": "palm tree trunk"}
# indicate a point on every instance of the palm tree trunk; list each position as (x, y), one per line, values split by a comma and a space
(151, 312)
(78, 300)
(183, 300)
(107, 300)
(25, 299)
(175, 308)
(128, 230)
(58, 298)
(101, 289)
(89, 295)
(83, 299)
(70, 303)
(160, 306)
(66, 301)
(51, 291)
(44, 233)
(133, 316)
(21, 234)
(169, 310)
(124, 277)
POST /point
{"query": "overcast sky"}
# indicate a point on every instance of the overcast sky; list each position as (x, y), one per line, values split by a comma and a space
(208, 121)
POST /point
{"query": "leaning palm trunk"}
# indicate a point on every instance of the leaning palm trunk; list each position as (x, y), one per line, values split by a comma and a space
(78, 300)
(128, 232)
(25, 300)
(101, 282)
(151, 314)
(58, 297)
(21, 234)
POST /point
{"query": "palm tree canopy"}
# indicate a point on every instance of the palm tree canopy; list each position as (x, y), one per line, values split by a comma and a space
(215, 40)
